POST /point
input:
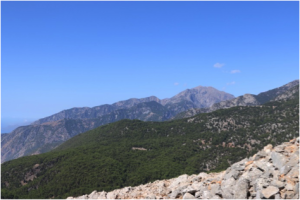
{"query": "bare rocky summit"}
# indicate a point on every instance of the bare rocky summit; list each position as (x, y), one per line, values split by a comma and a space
(271, 173)
(200, 96)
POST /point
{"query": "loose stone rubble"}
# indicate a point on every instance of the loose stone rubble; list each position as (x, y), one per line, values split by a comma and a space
(272, 173)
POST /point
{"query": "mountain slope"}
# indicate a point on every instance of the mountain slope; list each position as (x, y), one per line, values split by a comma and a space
(98, 111)
(272, 94)
(132, 152)
(36, 139)
(3, 135)
(260, 171)
(247, 100)
(45, 134)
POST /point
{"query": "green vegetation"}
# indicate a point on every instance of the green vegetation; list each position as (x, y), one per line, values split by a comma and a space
(103, 158)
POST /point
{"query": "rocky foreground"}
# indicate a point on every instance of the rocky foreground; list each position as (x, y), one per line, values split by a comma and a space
(271, 173)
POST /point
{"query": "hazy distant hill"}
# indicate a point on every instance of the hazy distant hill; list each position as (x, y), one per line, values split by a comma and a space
(133, 152)
(47, 133)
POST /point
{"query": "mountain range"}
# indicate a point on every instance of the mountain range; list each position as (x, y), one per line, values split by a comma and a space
(49, 132)
(246, 100)
(198, 97)
(133, 152)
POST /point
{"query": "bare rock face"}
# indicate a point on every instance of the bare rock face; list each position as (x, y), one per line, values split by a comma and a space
(288, 94)
(270, 191)
(271, 173)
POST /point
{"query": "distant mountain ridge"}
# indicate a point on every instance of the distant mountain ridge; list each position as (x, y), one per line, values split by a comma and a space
(49, 132)
(198, 97)
(270, 95)
(94, 112)
(279, 93)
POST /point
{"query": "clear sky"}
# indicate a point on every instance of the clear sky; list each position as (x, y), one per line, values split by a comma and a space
(59, 55)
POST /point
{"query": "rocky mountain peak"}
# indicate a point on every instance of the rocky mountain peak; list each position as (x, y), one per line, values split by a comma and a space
(271, 173)
(249, 98)
(291, 84)
(288, 94)
(200, 96)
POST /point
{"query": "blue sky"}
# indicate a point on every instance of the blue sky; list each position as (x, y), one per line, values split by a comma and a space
(59, 55)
